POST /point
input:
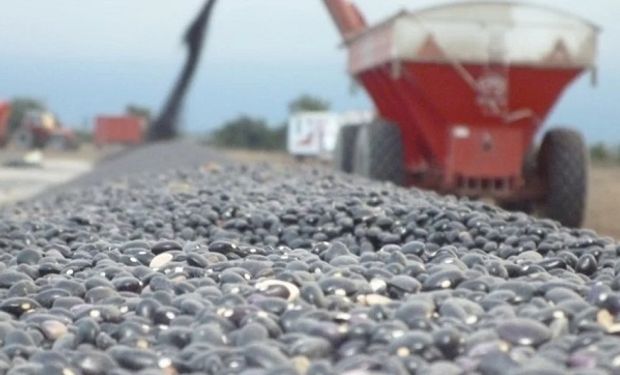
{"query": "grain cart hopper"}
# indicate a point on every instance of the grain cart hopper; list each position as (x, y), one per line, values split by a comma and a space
(461, 91)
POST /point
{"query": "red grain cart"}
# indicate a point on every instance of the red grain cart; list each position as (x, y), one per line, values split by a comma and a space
(126, 130)
(5, 111)
(461, 91)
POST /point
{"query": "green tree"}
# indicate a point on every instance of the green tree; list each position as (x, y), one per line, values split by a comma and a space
(308, 103)
(249, 133)
(84, 132)
(599, 152)
(139, 111)
(19, 108)
(279, 136)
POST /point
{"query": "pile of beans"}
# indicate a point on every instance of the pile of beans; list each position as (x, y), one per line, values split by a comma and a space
(254, 270)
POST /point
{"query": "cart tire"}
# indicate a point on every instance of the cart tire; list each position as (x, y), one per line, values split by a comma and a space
(345, 148)
(563, 166)
(379, 152)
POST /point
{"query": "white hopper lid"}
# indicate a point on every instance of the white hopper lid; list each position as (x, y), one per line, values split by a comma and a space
(481, 33)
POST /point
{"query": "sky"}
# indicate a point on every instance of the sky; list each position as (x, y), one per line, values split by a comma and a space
(83, 60)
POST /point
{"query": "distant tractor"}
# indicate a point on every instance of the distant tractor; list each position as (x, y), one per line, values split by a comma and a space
(41, 129)
(120, 130)
(461, 91)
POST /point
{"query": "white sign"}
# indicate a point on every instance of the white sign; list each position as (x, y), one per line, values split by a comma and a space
(314, 134)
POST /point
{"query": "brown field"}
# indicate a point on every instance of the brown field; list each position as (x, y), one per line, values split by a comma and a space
(604, 204)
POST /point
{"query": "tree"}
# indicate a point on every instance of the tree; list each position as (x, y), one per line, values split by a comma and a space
(308, 103)
(249, 133)
(279, 136)
(19, 108)
(599, 152)
(139, 111)
(84, 133)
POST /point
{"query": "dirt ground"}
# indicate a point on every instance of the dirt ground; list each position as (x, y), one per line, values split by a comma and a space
(19, 183)
(245, 156)
(604, 203)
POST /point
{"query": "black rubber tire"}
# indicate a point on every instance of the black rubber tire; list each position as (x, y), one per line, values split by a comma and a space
(379, 152)
(563, 166)
(345, 148)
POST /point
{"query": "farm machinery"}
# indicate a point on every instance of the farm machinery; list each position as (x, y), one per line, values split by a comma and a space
(124, 129)
(38, 129)
(461, 91)
(42, 129)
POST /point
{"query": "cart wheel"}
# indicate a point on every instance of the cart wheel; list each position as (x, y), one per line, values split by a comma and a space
(563, 166)
(379, 152)
(345, 148)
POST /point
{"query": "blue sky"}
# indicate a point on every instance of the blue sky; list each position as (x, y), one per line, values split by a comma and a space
(84, 60)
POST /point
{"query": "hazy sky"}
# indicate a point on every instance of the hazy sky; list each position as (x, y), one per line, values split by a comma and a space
(88, 57)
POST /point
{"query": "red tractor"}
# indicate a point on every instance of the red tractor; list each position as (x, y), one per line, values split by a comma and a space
(41, 129)
(461, 91)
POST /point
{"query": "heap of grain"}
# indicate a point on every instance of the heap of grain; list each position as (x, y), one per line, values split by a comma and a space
(257, 271)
